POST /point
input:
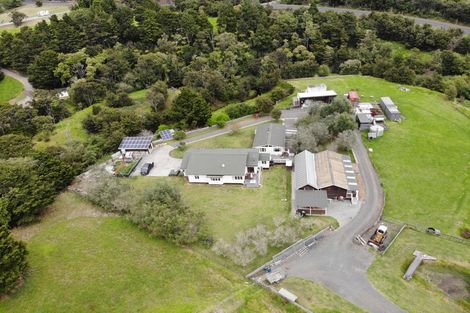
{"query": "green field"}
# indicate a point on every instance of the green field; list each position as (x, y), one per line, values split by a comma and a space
(423, 162)
(420, 294)
(9, 89)
(69, 129)
(317, 298)
(83, 261)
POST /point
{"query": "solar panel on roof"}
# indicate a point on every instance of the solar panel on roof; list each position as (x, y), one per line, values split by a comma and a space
(166, 134)
(135, 143)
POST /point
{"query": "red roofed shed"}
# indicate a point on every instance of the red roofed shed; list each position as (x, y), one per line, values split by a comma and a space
(353, 96)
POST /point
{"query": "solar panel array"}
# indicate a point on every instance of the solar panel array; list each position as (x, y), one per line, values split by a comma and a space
(166, 134)
(135, 143)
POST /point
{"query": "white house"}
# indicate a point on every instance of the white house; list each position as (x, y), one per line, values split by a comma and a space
(223, 166)
(270, 141)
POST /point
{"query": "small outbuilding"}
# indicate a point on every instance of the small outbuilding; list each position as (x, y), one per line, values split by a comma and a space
(364, 121)
(136, 144)
(390, 109)
(353, 97)
(311, 202)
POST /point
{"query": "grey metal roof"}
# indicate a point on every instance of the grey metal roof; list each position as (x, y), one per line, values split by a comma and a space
(264, 157)
(270, 135)
(387, 101)
(364, 118)
(311, 198)
(136, 143)
(219, 161)
(305, 173)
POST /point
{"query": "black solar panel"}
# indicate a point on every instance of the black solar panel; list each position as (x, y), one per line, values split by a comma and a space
(135, 143)
(166, 134)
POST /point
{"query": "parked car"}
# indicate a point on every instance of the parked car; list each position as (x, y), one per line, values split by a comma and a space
(146, 168)
(433, 231)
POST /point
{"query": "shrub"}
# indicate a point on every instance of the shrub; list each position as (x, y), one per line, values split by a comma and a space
(276, 114)
(121, 99)
(264, 104)
(38, 3)
(323, 70)
(219, 119)
(109, 193)
(179, 135)
(345, 140)
(239, 110)
(13, 261)
(163, 214)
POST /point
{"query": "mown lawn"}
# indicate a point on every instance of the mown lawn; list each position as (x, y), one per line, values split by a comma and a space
(423, 162)
(9, 89)
(241, 139)
(231, 209)
(318, 298)
(419, 294)
(83, 261)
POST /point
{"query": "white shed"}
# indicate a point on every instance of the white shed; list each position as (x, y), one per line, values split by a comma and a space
(287, 294)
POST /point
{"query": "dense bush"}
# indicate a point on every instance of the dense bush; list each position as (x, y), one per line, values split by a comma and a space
(13, 262)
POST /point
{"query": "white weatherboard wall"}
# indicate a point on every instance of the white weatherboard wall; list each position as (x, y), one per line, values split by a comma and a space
(216, 180)
(271, 150)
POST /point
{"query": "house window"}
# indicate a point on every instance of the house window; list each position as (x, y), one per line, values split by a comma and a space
(263, 149)
(215, 178)
(277, 149)
(264, 162)
(238, 177)
(196, 177)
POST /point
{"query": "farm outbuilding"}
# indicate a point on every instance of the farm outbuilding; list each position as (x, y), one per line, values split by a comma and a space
(312, 94)
(353, 97)
(364, 121)
(328, 171)
(311, 202)
(390, 109)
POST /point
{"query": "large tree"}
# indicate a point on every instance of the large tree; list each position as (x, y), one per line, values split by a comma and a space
(41, 71)
(191, 108)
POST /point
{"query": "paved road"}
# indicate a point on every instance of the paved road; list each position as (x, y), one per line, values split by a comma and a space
(421, 21)
(341, 265)
(27, 95)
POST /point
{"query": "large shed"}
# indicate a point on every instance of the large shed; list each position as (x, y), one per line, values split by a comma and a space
(390, 109)
(311, 202)
(328, 171)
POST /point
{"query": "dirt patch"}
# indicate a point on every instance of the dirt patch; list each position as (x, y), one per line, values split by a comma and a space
(454, 284)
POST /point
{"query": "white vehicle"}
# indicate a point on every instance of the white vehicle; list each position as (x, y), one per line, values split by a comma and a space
(378, 237)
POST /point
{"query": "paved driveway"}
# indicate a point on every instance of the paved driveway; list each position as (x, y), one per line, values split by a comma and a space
(164, 163)
(25, 98)
(339, 264)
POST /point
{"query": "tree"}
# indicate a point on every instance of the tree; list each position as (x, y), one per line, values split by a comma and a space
(264, 104)
(118, 100)
(350, 67)
(345, 140)
(323, 70)
(451, 92)
(85, 93)
(340, 123)
(17, 17)
(41, 71)
(158, 95)
(190, 108)
(276, 114)
(13, 262)
(163, 214)
(14, 146)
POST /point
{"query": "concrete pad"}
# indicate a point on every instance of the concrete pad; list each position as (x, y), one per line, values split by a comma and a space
(343, 211)
(164, 163)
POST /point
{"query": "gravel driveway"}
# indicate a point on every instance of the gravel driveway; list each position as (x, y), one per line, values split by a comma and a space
(164, 163)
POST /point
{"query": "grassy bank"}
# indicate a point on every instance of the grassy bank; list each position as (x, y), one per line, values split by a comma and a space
(84, 261)
(9, 89)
